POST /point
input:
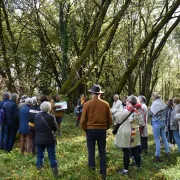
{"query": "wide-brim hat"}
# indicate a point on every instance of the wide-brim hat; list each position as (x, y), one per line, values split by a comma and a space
(96, 89)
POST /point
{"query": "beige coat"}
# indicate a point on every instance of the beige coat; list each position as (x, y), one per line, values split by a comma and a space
(145, 129)
(128, 134)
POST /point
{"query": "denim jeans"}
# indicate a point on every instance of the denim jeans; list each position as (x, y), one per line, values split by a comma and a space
(99, 135)
(2, 127)
(51, 149)
(177, 138)
(159, 131)
(10, 136)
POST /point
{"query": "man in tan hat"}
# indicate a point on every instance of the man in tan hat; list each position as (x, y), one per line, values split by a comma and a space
(96, 119)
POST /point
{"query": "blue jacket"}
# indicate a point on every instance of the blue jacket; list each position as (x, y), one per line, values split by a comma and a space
(23, 119)
(10, 112)
(2, 103)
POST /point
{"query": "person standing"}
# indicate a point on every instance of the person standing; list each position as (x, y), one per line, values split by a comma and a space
(6, 98)
(45, 126)
(96, 119)
(80, 103)
(144, 129)
(117, 105)
(174, 121)
(169, 110)
(11, 122)
(128, 135)
(158, 114)
(23, 125)
(57, 113)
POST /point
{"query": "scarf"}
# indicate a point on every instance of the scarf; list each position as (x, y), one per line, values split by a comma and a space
(132, 109)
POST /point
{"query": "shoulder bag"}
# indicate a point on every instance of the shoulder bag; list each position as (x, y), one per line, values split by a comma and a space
(115, 130)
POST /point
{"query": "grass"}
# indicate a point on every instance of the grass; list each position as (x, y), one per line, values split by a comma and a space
(72, 159)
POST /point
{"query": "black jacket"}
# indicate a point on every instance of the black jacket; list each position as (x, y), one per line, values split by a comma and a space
(44, 133)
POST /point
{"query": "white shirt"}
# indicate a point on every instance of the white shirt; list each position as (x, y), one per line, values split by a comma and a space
(117, 105)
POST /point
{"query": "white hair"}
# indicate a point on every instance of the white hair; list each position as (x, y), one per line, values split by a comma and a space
(116, 96)
(45, 106)
(34, 99)
(28, 100)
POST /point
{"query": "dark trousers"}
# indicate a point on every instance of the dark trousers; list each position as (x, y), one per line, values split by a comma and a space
(2, 127)
(144, 143)
(126, 158)
(99, 135)
(170, 136)
(31, 140)
(10, 136)
(78, 120)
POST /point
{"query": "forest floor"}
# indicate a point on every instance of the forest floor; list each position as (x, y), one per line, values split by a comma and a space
(72, 159)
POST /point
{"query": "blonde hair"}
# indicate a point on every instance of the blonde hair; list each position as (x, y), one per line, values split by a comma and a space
(156, 95)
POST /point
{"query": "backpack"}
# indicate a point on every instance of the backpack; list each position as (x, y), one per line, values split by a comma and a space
(2, 115)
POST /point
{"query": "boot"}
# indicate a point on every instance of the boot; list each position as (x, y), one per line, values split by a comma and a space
(55, 172)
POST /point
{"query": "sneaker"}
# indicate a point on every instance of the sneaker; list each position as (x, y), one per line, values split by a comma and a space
(157, 159)
(123, 172)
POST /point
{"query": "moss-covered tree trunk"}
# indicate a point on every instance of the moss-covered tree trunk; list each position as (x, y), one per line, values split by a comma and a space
(137, 57)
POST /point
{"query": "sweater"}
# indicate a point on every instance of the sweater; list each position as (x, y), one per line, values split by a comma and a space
(96, 115)
(174, 121)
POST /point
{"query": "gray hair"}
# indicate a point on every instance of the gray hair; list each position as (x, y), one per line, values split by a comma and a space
(45, 106)
(23, 98)
(116, 95)
(34, 99)
(132, 99)
(142, 99)
(14, 97)
(6, 95)
(28, 101)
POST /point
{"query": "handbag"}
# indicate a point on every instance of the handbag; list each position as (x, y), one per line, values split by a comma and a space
(115, 130)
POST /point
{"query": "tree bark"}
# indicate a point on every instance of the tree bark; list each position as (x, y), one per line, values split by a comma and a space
(136, 58)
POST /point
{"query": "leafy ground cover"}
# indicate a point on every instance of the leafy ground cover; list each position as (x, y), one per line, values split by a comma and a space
(72, 159)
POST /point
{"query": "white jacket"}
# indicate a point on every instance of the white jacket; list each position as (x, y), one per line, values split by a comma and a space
(116, 106)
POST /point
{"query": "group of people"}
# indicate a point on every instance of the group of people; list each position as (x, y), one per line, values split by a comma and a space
(130, 116)
(37, 122)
